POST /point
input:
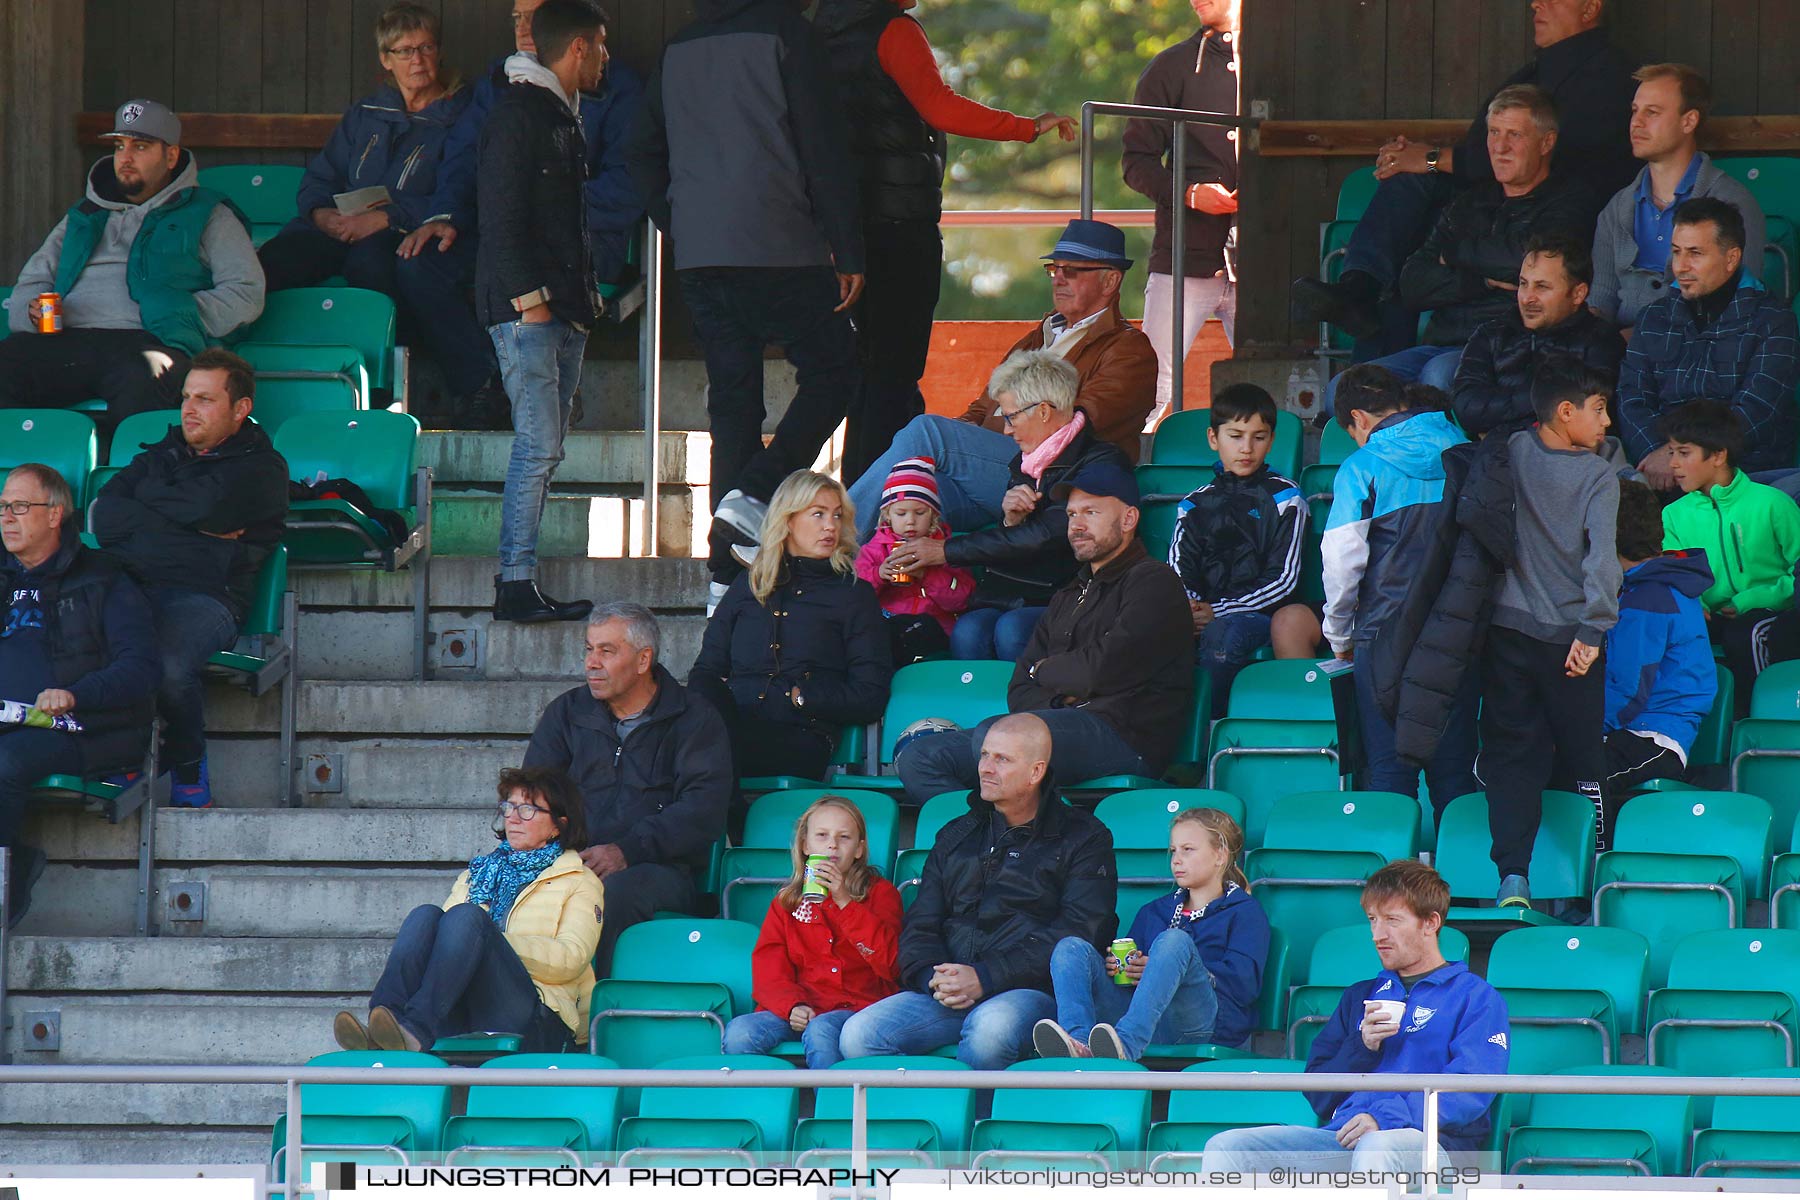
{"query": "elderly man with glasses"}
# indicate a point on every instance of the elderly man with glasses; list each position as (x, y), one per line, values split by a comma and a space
(1114, 362)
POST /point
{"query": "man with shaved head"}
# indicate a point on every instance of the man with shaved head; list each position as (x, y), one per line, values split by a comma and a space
(1003, 883)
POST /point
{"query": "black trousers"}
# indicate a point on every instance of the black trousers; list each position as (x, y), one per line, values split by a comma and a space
(635, 895)
(893, 335)
(760, 746)
(1631, 759)
(59, 370)
(1750, 642)
(915, 637)
(1539, 729)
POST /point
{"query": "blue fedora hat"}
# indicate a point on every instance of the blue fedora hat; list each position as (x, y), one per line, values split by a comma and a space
(1092, 241)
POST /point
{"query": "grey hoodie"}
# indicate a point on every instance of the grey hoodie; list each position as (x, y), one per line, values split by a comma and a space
(101, 299)
(525, 68)
(1566, 582)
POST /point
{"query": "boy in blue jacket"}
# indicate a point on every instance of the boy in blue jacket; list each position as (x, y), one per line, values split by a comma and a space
(1449, 1022)
(1660, 679)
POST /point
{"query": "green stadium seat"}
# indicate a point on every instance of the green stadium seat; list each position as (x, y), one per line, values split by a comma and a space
(851, 751)
(1278, 737)
(1139, 823)
(5, 312)
(274, 361)
(1177, 1143)
(1342, 957)
(1168, 482)
(967, 693)
(66, 441)
(1180, 441)
(476, 1049)
(329, 316)
(1063, 1128)
(1712, 743)
(711, 1126)
(937, 812)
(139, 432)
(1765, 761)
(1562, 858)
(1784, 888)
(263, 656)
(264, 194)
(377, 451)
(1570, 993)
(1732, 1004)
(1775, 183)
(758, 868)
(907, 1127)
(369, 1124)
(535, 1126)
(1156, 526)
(1603, 1133)
(1682, 862)
(1751, 1137)
(674, 985)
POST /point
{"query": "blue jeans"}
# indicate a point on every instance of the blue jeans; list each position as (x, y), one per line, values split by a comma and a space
(1400, 216)
(991, 1036)
(541, 368)
(994, 632)
(974, 465)
(1434, 366)
(451, 972)
(1082, 746)
(191, 627)
(1451, 771)
(761, 1031)
(1302, 1147)
(1174, 1001)
(26, 756)
(1225, 645)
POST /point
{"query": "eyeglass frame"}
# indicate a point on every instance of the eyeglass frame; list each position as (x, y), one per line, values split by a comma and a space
(411, 53)
(1007, 418)
(510, 807)
(14, 506)
(1053, 269)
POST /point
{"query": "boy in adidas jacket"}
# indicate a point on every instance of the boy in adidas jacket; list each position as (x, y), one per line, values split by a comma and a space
(1449, 1021)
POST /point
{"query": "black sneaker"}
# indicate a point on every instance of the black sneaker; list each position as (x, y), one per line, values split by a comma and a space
(522, 600)
(1349, 303)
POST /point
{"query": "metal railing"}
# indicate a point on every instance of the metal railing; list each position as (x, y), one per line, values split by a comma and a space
(861, 1080)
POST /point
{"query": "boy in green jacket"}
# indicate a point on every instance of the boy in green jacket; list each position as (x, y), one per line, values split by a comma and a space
(1751, 535)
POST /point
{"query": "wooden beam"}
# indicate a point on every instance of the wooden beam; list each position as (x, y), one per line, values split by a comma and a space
(1361, 139)
(232, 131)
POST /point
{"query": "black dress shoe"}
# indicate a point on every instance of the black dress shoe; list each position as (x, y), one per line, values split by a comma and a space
(521, 600)
(1349, 303)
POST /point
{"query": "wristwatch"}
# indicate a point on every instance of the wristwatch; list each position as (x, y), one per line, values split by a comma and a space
(1431, 160)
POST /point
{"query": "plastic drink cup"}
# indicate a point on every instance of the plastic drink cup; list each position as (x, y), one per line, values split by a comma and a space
(1391, 1011)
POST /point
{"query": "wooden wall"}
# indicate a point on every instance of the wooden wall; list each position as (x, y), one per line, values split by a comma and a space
(40, 87)
(1343, 59)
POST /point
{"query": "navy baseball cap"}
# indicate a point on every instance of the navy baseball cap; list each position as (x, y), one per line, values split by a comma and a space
(1101, 479)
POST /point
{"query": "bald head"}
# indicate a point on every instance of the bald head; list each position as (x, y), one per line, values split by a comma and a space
(1015, 757)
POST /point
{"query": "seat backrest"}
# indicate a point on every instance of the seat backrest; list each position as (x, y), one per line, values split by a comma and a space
(1590, 958)
(1738, 960)
(1355, 193)
(774, 1111)
(1139, 819)
(1346, 955)
(1667, 1119)
(1242, 1108)
(427, 1108)
(279, 400)
(1290, 689)
(596, 1108)
(951, 1112)
(1776, 693)
(55, 437)
(1126, 1113)
(771, 819)
(1335, 445)
(1385, 823)
(138, 432)
(1156, 526)
(264, 616)
(1729, 824)
(938, 812)
(1562, 858)
(964, 692)
(5, 312)
(689, 950)
(265, 194)
(331, 316)
(1180, 441)
(375, 450)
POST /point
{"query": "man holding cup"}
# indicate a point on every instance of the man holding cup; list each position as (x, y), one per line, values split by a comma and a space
(1420, 1016)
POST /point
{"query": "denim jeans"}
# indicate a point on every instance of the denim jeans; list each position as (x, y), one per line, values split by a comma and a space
(1174, 1001)
(1302, 1147)
(761, 1031)
(541, 368)
(1001, 633)
(991, 1036)
(26, 756)
(191, 627)
(1082, 746)
(451, 972)
(1400, 216)
(1225, 646)
(974, 465)
(1434, 366)
(1204, 297)
(1451, 771)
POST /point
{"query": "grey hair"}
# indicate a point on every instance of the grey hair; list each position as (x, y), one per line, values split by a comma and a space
(56, 488)
(641, 629)
(1036, 377)
(1534, 100)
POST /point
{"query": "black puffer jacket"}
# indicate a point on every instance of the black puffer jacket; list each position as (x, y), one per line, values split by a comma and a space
(899, 157)
(1492, 393)
(999, 899)
(1238, 541)
(820, 631)
(659, 795)
(1482, 235)
(531, 205)
(1026, 563)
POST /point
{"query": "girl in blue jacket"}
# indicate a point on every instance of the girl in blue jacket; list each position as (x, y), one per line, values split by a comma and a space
(1196, 973)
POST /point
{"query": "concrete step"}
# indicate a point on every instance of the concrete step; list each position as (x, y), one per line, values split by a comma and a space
(467, 583)
(349, 708)
(443, 837)
(213, 964)
(131, 1142)
(597, 525)
(163, 1028)
(612, 394)
(347, 644)
(597, 458)
(184, 1110)
(374, 772)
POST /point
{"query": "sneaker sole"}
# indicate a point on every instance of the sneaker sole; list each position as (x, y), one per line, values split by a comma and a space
(1048, 1041)
(1104, 1042)
(350, 1033)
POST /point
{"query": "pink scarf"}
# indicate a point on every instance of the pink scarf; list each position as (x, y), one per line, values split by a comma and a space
(1051, 448)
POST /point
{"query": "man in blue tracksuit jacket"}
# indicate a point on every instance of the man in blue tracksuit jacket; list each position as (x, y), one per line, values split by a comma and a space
(1449, 1022)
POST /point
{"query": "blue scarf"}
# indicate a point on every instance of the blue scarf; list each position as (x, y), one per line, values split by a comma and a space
(497, 877)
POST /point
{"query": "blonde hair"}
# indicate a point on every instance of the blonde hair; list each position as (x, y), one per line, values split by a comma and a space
(858, 875)
(791, 499)
(1225, 834)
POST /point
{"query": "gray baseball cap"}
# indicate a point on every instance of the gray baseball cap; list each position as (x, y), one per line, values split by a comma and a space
(146, 119)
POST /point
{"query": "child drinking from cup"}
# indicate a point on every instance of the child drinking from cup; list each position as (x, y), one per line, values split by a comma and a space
(920, 606)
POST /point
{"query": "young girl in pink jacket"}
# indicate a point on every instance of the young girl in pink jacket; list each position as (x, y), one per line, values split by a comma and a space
(920, 607)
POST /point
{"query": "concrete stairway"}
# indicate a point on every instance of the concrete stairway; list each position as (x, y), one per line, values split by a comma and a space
(273, 918)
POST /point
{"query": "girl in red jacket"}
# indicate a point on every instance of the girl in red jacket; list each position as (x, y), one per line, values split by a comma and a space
(819, 959)
(920, 606)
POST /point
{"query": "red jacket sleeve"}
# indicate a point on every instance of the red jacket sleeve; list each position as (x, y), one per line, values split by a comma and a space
(905, 54)
(872, 928)
(868, 565)
(774, 984)
(950, 588)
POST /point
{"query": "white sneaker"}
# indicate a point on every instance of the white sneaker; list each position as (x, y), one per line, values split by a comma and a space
(743, 514)
(715, 592)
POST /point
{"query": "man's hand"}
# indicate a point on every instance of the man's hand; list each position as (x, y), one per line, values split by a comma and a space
(1728, 611)
(414, 243)
(233, 536)
(330, 222)
(955, 985)
(1203, 615)
(537, 314)
(916, 554)
(1581, 657)
(1064, 126)
(1019, 502)
(359, 226)
(849, 290)
(54, 701)
(1500, 285)
(1401, 157)
(1212, 198)
(1348, 654)
(1354, 1128)
(603, 860)
(1656, 470)
(798, 1016)
(1377, 1026)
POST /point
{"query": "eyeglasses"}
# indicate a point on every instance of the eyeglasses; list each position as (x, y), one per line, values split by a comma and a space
(408, 53)
(1062, 270)
(1007, 418)
(19, 508)
(525, 812)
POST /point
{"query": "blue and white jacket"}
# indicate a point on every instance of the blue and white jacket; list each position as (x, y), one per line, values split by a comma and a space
(1383, 502)
(1660, 678)
(1232, 936)
(1238, 541)
(1454, 1024)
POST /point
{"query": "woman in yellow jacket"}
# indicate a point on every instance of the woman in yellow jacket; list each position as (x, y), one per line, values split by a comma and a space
(512, 949)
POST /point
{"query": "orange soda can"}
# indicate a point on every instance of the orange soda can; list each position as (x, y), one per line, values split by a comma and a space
(49, 318)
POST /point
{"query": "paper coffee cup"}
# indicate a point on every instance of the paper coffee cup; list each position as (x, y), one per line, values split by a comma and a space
(1388, 1012)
